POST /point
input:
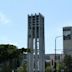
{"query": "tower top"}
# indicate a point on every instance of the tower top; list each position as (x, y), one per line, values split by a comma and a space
(39, 14)
(67, 27)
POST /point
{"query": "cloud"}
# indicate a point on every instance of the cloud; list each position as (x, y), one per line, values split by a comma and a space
(3, 19)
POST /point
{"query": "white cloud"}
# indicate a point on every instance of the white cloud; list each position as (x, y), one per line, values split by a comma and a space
(3, 19)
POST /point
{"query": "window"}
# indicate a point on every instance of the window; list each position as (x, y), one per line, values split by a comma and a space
(29, 35)
(67, 35)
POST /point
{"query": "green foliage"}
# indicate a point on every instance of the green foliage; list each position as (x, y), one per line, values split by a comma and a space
(10, 57)
(68, 63)
(67, 60)
(22, 68)
(47, 67)
(59, 66)
(6, 68)
(6, 51)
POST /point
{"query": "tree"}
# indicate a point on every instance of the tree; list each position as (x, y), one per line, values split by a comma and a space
(47, 67)
(6, 52)
(68, 63)
(11, 54)
(60, 67)
(7, 56)
(22, 68)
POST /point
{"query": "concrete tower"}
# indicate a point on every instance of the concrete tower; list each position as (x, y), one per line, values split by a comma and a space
(36, 62)
(67, 40)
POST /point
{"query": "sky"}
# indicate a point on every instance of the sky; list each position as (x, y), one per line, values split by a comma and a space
(13, 21)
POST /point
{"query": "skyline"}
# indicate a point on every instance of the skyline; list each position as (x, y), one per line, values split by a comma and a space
(13, 21)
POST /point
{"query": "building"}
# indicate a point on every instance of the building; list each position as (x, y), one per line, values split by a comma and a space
(50, 58)
(67, 40)
(36, 62)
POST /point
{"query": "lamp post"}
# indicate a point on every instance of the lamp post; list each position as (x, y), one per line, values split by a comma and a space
(55, 53)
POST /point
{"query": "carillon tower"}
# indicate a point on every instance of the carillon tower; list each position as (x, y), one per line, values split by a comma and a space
(36, 60)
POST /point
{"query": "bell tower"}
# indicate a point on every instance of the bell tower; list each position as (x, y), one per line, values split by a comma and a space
(36, 43)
